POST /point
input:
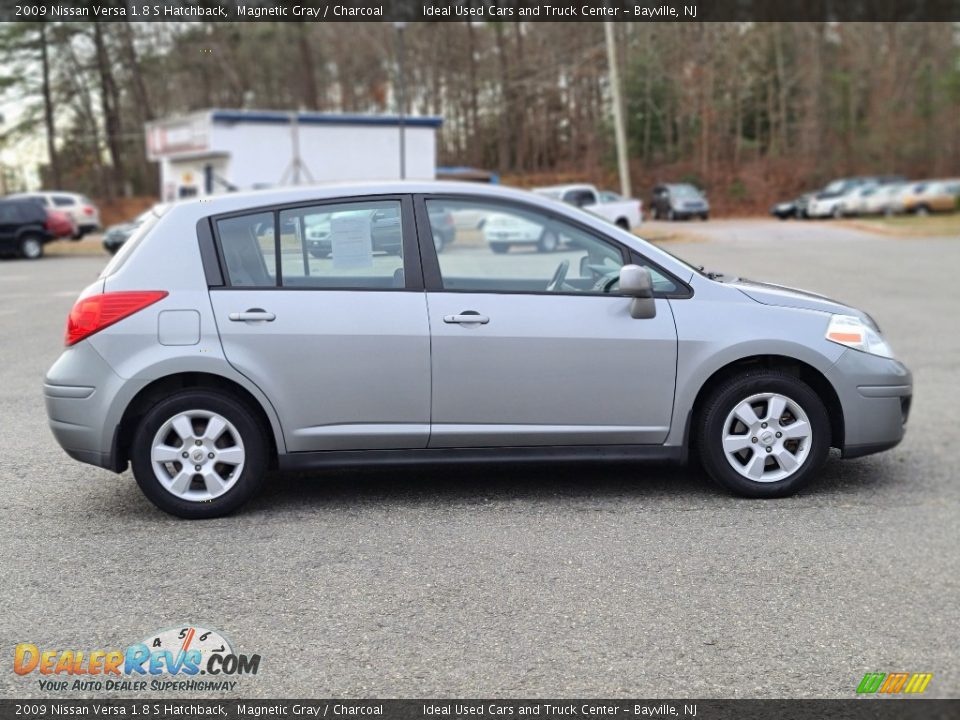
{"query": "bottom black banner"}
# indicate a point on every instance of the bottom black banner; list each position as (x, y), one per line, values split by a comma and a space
(854, 709)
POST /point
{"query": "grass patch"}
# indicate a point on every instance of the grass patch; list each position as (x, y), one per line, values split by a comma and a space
(666, 232)
(910, 225)
(90, 245)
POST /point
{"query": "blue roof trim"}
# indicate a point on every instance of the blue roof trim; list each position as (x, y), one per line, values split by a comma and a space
(306, 118)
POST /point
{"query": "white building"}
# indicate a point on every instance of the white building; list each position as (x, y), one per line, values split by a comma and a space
(215, 151)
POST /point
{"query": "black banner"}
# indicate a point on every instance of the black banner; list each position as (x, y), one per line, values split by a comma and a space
(853, 709)
(478, 10)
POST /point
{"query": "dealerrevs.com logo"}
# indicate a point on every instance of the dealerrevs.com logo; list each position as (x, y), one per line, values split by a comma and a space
(187, 658)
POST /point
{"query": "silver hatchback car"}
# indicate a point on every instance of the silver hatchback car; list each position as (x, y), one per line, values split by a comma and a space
(215, 346)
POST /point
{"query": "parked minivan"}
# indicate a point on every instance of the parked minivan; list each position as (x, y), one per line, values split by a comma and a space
(680, 201)
(214, 346)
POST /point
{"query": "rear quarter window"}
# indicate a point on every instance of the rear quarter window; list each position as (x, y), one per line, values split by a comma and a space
(130, 246)
(248, 244)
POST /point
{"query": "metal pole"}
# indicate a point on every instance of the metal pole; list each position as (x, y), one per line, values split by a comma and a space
(295, 141)
(401, 99)
(618, 125)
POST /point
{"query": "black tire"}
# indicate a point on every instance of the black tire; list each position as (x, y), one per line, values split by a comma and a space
(704, 216)
(726, 397)
(30, 247)
(319, 254)
(922, 210)
(500, 248)
(243, 419)
(623, 224)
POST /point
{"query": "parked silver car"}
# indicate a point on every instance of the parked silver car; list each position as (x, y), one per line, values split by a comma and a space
(214, 346)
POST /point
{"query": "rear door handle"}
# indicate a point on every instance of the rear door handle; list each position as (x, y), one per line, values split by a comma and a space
(252, 315)
(467, 317)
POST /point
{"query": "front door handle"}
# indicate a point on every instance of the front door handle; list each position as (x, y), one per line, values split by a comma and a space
(467, 317)
(252, 315)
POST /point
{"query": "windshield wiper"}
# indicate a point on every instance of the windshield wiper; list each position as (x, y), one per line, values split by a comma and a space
(709, 273)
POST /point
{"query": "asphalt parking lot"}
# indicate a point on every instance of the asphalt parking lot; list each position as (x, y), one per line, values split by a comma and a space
(636, 581)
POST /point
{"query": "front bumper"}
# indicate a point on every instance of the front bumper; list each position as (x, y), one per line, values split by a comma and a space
(875, 394)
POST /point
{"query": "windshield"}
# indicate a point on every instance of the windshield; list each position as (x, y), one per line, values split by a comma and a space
(837, 186)
(685, 191)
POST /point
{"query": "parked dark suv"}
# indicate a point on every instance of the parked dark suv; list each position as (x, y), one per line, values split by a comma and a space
(23, 228)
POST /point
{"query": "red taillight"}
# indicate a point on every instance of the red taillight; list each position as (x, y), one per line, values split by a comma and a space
(92, 314)
(87, 210)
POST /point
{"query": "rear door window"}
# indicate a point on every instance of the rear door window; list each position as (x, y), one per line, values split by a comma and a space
(63, 200)
(343, 245)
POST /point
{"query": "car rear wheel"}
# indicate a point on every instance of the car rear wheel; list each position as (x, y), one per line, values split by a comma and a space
(623, 224)
(499, 248)
(199, 454)
(764, 434)
(31, 247)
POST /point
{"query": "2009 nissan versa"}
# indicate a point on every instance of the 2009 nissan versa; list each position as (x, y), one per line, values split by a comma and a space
(214, 346)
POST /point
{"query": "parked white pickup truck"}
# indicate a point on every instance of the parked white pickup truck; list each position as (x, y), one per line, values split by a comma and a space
(624, 212)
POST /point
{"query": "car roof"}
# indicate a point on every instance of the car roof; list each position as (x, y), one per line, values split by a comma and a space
(564, 188)
(239, 201)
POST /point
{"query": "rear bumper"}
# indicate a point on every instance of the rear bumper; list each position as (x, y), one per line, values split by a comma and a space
(79, 392)
(875, 394)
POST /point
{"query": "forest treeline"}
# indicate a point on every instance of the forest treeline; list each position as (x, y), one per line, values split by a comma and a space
(751, 111)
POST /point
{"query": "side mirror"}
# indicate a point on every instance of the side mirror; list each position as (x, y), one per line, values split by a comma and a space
(635, 282)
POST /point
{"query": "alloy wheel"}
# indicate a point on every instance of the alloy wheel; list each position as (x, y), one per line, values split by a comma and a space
(767, 437)
(197, 455)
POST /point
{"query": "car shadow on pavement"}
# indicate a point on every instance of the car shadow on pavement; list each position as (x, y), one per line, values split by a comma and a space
(598, 484)
(671, 485)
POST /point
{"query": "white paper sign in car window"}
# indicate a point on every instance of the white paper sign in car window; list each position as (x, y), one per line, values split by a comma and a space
(351, 243)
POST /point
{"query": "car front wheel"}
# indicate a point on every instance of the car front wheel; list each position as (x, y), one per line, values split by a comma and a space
(764, 434)
(199, 454)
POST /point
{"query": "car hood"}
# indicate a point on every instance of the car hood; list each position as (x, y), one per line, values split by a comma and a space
(782, 296)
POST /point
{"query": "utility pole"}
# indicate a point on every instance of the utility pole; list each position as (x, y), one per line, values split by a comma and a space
(401, 99)
(618, 126)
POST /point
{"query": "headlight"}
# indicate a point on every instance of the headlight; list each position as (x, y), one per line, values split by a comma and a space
(853, 332)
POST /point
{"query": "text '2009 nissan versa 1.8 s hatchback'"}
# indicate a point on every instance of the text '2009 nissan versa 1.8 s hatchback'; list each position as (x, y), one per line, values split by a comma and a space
(215, 345)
